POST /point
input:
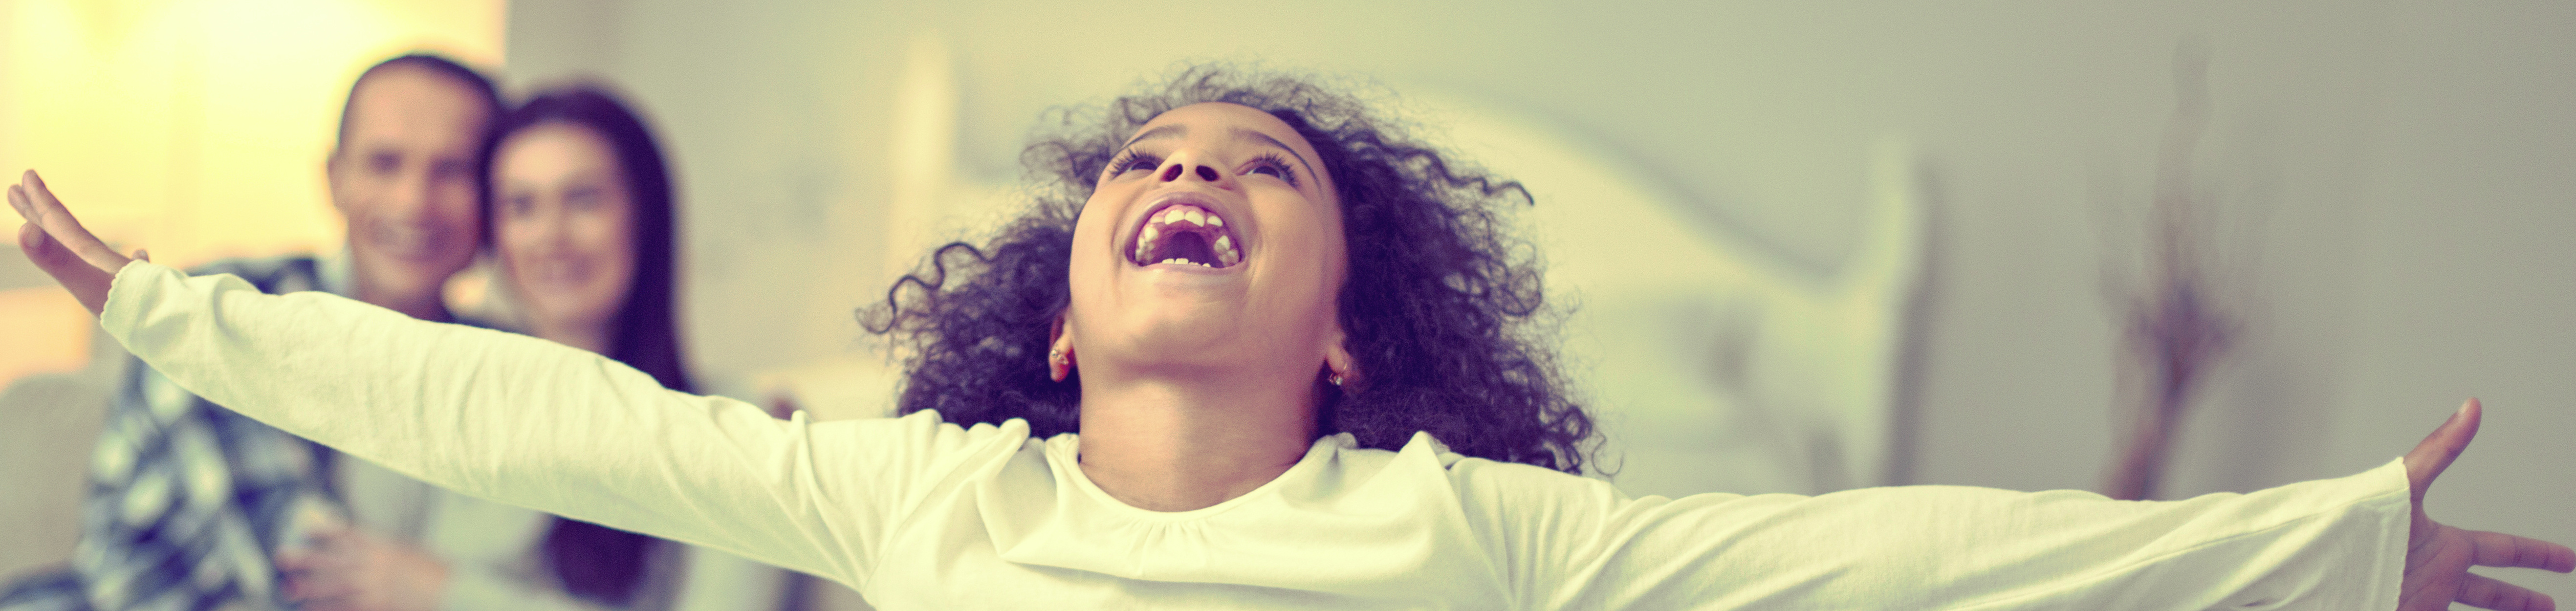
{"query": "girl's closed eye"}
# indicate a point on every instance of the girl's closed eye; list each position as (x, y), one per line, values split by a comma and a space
(1273, 165)
(1130, 161)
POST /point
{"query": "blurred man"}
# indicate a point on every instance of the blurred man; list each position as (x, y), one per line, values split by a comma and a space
(190, 503)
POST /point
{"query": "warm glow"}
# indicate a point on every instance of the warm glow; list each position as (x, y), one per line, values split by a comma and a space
(196, 129)
(47, 332)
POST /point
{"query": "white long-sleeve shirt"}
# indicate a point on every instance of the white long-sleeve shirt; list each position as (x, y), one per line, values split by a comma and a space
(918, 513)
(490, 549)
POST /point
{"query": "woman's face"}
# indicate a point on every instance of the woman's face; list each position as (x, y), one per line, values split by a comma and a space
(562, 226)
(1213, 241)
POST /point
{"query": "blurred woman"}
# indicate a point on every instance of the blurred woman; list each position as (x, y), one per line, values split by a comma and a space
(581, 216)
(580, 211)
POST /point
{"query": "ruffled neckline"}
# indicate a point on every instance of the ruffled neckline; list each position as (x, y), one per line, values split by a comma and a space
(1345, 520)
(1064, 458)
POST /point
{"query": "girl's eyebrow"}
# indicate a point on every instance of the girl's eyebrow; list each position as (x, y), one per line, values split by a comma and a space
(1175, 130)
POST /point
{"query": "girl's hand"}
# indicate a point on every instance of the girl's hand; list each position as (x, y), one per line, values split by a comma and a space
(57, 243)
(2438, 557)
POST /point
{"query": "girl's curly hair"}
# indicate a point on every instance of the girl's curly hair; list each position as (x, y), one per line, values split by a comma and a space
(1442, 303)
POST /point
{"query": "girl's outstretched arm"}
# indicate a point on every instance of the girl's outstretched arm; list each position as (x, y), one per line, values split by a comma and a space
(511, 417)
(2359, 542)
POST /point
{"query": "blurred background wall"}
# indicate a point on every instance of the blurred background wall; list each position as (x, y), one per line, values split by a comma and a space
(2397, 179)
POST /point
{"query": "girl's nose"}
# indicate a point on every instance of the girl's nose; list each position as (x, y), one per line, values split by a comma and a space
(1184, 165)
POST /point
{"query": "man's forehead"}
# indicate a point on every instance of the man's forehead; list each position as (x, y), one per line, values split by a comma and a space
(402, 95)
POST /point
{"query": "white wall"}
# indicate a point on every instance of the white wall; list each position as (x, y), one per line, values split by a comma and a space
(2398, 179)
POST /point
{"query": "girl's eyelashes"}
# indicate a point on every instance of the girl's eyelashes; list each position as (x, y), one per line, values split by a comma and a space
(1275, 165)
(1129, 160)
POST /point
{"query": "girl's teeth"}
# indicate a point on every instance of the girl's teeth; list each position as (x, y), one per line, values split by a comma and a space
(1153, 233)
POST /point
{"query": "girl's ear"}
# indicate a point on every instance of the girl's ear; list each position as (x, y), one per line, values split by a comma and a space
(1340, 367)
(1059, 350)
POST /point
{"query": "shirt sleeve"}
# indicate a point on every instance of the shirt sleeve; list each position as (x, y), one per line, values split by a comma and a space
(536, 424)
(1577, 543)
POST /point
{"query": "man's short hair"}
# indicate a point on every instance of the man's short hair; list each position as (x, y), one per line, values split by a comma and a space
(436, 64)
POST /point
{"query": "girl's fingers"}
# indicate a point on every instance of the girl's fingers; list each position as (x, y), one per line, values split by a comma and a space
(2437, 451)
(26, 209)
(2499, 549)
(2488, 593)
(87, 283)
(58, 222)
(57, 243)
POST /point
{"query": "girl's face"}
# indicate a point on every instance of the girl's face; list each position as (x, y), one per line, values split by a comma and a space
(562, 224)
(1212, 242)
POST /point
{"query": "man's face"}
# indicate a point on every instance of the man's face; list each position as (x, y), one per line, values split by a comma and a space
(404, 178)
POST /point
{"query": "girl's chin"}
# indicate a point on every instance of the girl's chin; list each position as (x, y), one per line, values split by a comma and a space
(1187, 340)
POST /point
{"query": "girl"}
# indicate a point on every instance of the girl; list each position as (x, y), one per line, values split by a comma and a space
(1259, 350)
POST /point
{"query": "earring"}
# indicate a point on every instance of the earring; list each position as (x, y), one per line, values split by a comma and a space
(1336, 379)
(1055, 356)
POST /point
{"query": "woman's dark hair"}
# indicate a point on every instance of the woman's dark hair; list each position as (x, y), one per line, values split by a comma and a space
(593, 561)
(1442, 305)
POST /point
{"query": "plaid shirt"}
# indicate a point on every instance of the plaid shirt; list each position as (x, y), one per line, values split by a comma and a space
(188, 501)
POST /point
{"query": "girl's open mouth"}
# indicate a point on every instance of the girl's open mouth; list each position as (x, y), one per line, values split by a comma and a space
(1185, 234)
